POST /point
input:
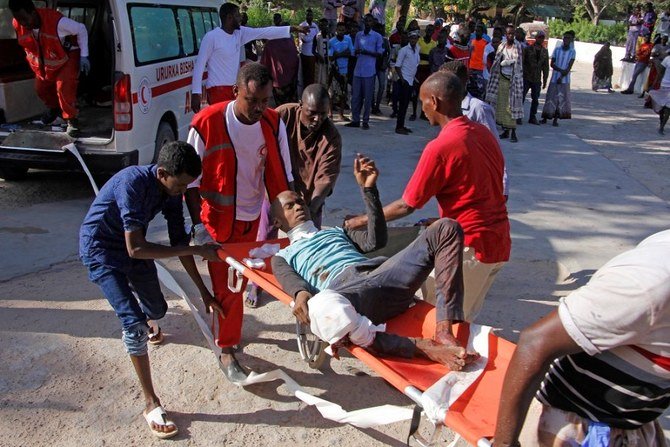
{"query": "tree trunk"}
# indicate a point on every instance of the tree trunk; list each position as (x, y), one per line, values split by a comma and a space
(596, 9)
(595, 14)
(401, 9)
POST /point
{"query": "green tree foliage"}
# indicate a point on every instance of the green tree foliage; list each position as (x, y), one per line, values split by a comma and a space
(259, 15)
(586, 31)
(597, 9)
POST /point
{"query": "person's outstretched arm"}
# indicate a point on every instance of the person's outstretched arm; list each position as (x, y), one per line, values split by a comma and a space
(538, 346)
(173, 211)
(375, 235)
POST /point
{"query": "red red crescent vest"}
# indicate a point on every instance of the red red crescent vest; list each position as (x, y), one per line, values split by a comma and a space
(218, 186)
(46, 54)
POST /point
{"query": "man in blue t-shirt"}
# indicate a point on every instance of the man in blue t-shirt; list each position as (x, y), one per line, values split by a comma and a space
(368, 47)
(557, 103)
(119, 259)
(340, 48)
(379, 288)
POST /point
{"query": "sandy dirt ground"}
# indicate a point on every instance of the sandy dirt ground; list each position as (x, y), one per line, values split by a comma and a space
(580, 194)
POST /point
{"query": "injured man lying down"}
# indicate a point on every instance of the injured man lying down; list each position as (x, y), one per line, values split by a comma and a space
(346, 297)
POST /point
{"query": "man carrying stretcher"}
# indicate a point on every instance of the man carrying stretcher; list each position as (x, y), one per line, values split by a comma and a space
(349, 294)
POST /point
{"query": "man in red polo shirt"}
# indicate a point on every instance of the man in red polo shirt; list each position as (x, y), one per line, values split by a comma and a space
(463, 169)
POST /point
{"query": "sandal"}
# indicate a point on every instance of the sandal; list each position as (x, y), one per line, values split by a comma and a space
(155, 334)
(159, 417)
(251, 296)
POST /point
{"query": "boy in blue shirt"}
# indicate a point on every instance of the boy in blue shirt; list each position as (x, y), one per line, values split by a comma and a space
(119, 259)
(340, 48)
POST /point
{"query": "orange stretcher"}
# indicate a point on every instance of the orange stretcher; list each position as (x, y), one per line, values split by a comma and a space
(473, 415)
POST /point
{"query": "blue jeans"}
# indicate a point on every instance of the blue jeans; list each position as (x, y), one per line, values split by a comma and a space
(383, 288)
(638, 69)
(363, 88)
(133, 309)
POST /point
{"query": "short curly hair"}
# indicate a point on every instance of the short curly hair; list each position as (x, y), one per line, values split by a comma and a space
(179, 157)
(256, 72)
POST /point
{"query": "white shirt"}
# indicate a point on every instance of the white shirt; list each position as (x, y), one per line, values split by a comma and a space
(220, 52)
(453, 32)
(330, 9)
(626, 302)
(508, 55)
(249, 145)
(307, 40)
(378, 10)
(665, 82)
(69, 27)
(664, 23)
(408, 62)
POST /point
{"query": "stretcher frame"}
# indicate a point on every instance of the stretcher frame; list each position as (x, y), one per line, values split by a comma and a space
(420, 317)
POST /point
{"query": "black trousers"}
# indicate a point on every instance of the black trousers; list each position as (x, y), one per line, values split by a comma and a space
(383, 288)
(535, 89)
(404, 95)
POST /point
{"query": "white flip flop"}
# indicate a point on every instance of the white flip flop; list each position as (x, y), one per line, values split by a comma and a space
(159, 417)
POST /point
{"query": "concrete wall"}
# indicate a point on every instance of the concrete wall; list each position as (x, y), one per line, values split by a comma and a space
(623, 71)
(587, 51)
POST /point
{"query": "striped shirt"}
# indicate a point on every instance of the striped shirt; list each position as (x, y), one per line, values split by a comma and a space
(621, 320)
(562, 58)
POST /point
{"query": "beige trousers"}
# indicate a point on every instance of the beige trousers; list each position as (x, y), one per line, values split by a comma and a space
(477, 279)
(550, 427)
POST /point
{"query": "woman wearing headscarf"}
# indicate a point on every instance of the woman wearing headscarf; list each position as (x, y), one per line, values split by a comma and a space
(602, 69)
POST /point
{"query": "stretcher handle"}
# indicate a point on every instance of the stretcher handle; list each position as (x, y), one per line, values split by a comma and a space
(235, 280)
(235, 275)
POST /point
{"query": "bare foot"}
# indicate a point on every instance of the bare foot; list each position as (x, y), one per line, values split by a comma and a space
(453, 357)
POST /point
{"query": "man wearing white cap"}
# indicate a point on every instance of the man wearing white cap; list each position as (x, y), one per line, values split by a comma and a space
(332, 262)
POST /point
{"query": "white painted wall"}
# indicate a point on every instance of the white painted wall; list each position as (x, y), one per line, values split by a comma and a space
(587, 51)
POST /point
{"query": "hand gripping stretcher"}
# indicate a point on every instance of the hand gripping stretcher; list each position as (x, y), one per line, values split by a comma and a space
(466, 402)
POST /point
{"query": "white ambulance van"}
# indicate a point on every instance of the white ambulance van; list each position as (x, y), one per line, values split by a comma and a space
(135, 99)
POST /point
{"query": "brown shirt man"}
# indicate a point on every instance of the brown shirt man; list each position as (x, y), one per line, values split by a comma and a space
(316, 154)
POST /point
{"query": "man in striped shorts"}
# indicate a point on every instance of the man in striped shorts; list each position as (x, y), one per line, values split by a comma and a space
(601, 360)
